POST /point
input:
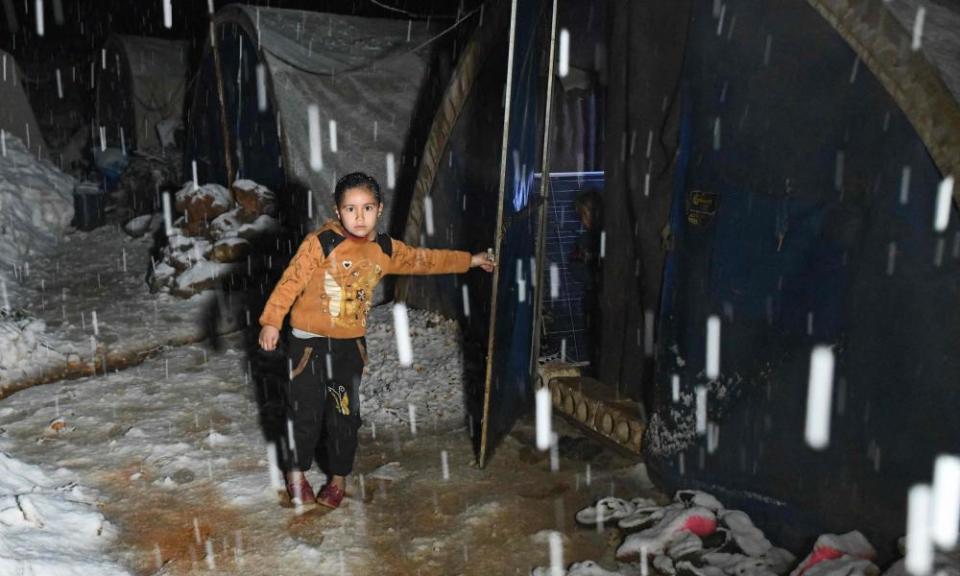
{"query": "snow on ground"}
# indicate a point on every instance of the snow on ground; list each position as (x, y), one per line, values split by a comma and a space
(176, 449)
(68, 295)
(100, 275)
(49, 525)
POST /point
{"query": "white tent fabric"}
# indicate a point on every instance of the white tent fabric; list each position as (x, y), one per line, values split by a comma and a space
(16, 114)
(142, 81)
(362, 74)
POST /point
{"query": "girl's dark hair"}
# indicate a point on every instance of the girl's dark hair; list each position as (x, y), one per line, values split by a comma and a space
(357, 180)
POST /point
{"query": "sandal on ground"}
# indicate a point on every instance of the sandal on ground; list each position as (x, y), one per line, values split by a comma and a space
(607, 509)
(643, 515)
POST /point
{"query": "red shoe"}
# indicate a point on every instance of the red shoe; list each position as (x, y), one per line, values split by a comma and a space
(330, 496)
(301, 492)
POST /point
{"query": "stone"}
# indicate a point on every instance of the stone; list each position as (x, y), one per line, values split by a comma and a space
(183, 476)
(202, 206)
(230, 250)
(226, 225)
(253, 200)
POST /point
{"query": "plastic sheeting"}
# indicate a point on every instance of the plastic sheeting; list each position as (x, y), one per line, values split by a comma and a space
(16, 114)
(798, 222)
(362, 74)
(141, 82)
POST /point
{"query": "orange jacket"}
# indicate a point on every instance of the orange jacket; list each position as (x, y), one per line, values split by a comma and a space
(331, 278)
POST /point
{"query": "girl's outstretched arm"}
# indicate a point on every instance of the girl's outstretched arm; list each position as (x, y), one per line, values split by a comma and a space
(409, 260)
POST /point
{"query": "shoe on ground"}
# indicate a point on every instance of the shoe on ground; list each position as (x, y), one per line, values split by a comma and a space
(301, 493)
(331, 496)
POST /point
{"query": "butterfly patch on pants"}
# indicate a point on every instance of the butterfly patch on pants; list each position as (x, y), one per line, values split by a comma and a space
(341, 399)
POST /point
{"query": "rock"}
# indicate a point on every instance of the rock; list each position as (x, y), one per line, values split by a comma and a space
(185, 251)
(201, 276)
(196, 228)
(262, 225)
(160, 276)
(226, 225)
(180, 261)
(183, 476)
(230, 250)
(138, 226)
(202, 206)
(253, 199)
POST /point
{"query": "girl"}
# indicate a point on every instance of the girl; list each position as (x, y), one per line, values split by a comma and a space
(329, 284)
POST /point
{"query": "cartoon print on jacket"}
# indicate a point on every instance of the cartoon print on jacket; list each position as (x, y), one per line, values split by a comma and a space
(349, 294)
(328, 286)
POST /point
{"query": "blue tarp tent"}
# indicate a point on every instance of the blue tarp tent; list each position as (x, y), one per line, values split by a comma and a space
(813, 143)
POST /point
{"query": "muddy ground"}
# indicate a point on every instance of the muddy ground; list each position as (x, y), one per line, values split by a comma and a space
(176, 452)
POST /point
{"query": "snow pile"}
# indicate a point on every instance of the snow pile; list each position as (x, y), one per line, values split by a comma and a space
(36, 204)
(35, 207)
(20, 336)
(213, 236)
(49, 525)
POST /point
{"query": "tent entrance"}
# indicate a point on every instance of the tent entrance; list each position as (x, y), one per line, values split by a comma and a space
(567, 333)
(520, 220)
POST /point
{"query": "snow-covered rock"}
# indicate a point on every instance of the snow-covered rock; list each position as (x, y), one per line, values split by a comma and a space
(262, 225)
(230, 250)
(140, 225)
(202, 205)
(253, 199)
(202, 276)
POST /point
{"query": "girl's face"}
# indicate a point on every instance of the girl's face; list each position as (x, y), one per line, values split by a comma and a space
(358, 211)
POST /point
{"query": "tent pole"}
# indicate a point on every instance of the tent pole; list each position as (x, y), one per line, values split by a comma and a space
(544, 205)
(485, 421)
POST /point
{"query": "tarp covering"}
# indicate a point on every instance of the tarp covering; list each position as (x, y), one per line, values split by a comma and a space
(459, 175)
(361, 73)
(803, 215)
(518, 281)
(939, 40)
(914, 59)
(459, 178)
(141, 81)
(16, 114)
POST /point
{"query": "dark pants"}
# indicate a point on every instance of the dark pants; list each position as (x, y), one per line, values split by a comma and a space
(323, 401)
